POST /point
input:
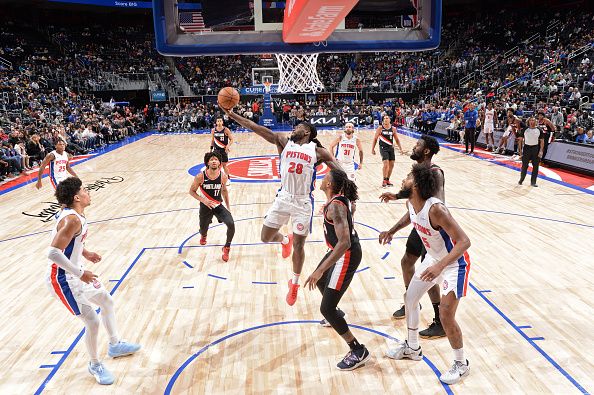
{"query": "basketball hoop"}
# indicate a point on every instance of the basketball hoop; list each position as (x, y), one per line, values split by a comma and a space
(298, 73)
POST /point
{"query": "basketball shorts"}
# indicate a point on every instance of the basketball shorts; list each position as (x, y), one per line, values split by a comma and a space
(349, 169)
(70, 290)
(339, 276)
(297, 208)
(223, 153)
(452, 278)
(488, 129)
(414, 244)
(387, 153)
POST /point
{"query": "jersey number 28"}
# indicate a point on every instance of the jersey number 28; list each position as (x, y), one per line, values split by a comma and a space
(295, 168)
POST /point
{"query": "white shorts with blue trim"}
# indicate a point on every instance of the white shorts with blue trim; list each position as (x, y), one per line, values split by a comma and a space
(70, 290)
(452, 278)
(297, 208)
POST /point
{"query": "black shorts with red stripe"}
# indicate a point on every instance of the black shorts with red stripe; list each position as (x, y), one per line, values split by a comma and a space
(339, 276)
(223, 153)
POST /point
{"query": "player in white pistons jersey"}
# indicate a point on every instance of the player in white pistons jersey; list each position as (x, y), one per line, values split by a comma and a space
(344, 147)
(489, 126)
(76, 288)
(299, 155)
(446, 263)
(59, 163)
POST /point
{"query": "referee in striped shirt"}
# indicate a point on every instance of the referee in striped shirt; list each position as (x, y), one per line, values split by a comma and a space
(533, 147)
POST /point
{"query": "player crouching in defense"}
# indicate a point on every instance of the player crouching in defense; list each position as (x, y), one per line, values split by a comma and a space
(335, 272)
(212, 182)
(446, 263)
(78, 289)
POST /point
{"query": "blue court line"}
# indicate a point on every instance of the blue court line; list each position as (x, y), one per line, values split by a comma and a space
(264, 282)
(485, 291)
(80, 335)
(530, 341)
(390, 278)
(408, 132)
(47, 366)
(187, 362)
(537, 338)
(114, 281)
(218, 277)
(362, 270)
(524, 327)
(188, 265)
(386, 255)
(57, 352)
(188, 287)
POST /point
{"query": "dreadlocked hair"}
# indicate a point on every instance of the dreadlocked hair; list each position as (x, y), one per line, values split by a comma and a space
(342, 185)
(313, 133)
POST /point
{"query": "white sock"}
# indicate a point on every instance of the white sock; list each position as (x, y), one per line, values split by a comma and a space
(105, 301)
(295, 278)
(413, 338)
(285, 240)
(459, 355)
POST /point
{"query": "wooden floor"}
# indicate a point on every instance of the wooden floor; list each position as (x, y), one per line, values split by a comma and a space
(210, 327)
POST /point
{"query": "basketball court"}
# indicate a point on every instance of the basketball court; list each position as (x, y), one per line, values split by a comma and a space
(212, 327)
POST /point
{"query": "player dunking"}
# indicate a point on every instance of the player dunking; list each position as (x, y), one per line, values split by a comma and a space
(59, 163)
(212, 183)
(78, 289)
(221, 140)
(343, 149)
(386, 133)
(422, 152)
(335, 272)
(299, 155)
(446, 263)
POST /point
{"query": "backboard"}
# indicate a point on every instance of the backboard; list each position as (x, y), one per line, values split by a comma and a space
(247, 27)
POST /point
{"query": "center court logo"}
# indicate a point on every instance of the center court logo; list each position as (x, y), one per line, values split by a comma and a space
(256, 169)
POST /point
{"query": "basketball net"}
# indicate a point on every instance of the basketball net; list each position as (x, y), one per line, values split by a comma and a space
(298, 73)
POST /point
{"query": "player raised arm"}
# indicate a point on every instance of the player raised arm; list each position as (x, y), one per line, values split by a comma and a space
(386, 236)
(440, 218)
(68, 228)
(198, 181)
(280, 140)
(48, 158)
(325, 156)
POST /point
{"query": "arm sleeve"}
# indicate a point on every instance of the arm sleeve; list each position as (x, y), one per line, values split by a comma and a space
(58, 257)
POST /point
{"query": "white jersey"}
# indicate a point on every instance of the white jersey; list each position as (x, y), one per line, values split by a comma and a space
(57, 170)
(489, 117)
(69, 289)
(345, 151)
(437, 242)
(298, 168)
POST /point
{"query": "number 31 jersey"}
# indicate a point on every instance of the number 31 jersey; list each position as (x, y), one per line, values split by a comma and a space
(298, 168)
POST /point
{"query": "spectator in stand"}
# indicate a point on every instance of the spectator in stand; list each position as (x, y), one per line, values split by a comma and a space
(589, 137)
(35, 149)
(557, 120)
(580, 136)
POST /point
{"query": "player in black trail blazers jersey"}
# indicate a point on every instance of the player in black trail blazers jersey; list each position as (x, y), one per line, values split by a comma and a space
(212, 183)
(387, 135)
(335, 272)
(221, 140)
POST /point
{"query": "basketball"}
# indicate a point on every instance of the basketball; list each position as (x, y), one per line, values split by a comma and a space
(228, 98)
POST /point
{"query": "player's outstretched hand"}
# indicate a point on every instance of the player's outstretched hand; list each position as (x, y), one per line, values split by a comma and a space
(93, 257)
(312, 280)
(88, 277)
(387, 196)
(385, 237)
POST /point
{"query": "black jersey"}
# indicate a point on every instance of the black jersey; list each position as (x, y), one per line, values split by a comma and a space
(211, 187)
(330, 232)
(386, 138)
(221, 140)
(434, 166)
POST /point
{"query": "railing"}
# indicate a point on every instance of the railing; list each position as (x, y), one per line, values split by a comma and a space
(5, 63)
